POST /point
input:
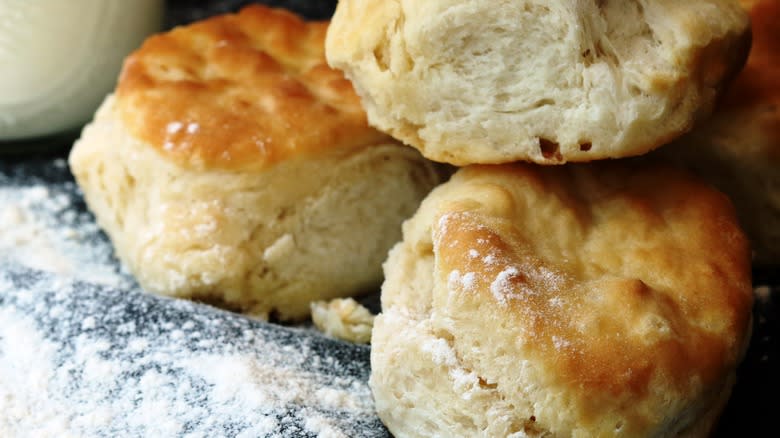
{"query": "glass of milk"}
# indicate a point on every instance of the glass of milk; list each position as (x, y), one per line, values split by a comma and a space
(59, 59)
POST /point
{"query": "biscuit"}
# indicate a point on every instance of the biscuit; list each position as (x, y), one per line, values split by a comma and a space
(607, 299)
(738, 149)
(546, 81)
(233, 166)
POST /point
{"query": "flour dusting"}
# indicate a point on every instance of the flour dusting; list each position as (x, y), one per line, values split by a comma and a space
(84, 360)
(42, 227)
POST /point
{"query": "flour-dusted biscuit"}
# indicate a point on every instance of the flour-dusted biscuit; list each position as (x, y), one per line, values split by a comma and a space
(738, 149)
(608, 299)
(232, 165)
(479, 81)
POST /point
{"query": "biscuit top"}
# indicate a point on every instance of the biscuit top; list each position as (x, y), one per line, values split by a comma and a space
(241, 91)
(619, 278)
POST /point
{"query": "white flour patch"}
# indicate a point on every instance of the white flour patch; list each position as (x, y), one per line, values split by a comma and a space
(42, 228)
(502, 288)
(466, 282)
(80, 360)
(464, 382)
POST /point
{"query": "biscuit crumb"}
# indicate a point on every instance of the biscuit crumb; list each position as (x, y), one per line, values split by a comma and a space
(344, 319)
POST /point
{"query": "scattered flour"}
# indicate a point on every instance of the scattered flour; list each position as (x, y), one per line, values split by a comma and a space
(560, 343)
(536, 279)
(42, 228)
(555, 301)
(322, 427)
(465, 382)
(174, 127)
(81, 360)
(440, 351)
(502, 288)
(466, 282)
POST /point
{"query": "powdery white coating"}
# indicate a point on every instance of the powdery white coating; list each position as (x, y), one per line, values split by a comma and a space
(440, 351)
(465, 282)
(501, 288)
(174, 127)
(42, 227)
(560, 343)
(468, 280)
(127, 375)
(323, 428)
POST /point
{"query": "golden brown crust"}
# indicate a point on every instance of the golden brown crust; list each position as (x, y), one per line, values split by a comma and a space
(607, 299)
(554, 293)
(242, 91)
(655, 283)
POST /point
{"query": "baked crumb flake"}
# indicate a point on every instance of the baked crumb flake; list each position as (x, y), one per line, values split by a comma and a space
(343, 318)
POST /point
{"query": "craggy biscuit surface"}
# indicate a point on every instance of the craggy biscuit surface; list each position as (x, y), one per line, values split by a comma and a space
(588, 300)
(480, 81)
(242, 91)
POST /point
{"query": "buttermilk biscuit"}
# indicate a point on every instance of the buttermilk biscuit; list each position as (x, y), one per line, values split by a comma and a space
(480, 81)
(738, 150)
(589, 300)
(232, 165)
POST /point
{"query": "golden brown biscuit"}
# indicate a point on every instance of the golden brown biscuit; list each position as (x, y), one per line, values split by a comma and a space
(738, 149)
(472, 81)
(611, 299)
(232, 165)
(255, 85)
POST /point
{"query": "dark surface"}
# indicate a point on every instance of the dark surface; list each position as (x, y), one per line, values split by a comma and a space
(754, 405)
(186, 11)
